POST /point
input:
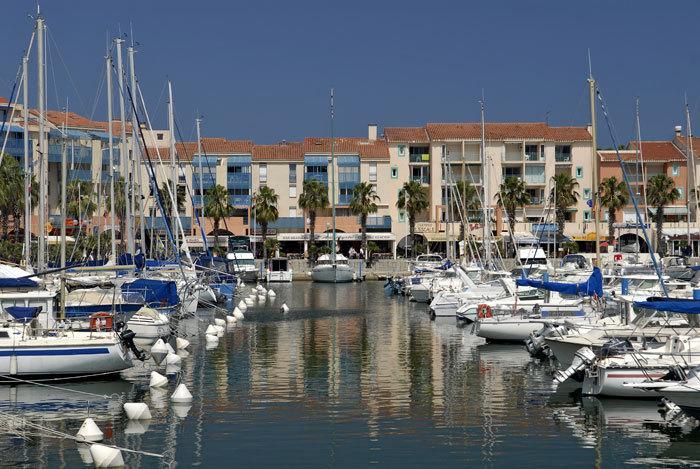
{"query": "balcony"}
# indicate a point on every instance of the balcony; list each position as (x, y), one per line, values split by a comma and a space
(533, 157)
(378, 223)
(74, 154)
(562, 157)
(238, 179)
(15, 147)
(425, 179)
(208, 180)
(419, 158)
(534, 175)
(158, 223)
(323, 177)
(80, 174)
(239, 200)
(285, 224)
(105, 156)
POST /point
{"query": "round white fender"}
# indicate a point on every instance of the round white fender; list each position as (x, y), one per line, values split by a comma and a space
(181, 343)
(230, 319)
(157, 380)
(137, 411)
(89, 431)
(181, 394)
(173, 359)
(211, 330)
(219, 322)
(106, 456)
(159, 351)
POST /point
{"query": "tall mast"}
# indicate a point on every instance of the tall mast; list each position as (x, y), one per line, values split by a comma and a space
(41, 238)
(485, 185)
(124, 152)
(137, 193)
(333, 258)
(594, 157)
(27, 175)
(199, 159)
(173, 167)
(110, 149)
(691, 163)
(640, 157)
(64, 181)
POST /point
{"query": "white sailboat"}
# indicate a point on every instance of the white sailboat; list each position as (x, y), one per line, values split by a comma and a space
(333, 268)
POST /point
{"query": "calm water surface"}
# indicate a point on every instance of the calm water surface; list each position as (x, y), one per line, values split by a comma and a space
(350, 378)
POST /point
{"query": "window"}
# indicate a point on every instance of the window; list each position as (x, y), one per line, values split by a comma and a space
(159, 136)
(394, 172)
(680, 191)
(402, 150)
(292, 173)
(562, 153)
(586, 194)
(531, 153)
(373, 172)
(263, 173)
(292, 211)
(402, 216)
(586, 215)
(293, 190)
(509, 171)
(675, 169)
(579, 172)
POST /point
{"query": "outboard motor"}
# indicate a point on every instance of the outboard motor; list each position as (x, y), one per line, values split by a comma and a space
(582, 358)
(127, 338)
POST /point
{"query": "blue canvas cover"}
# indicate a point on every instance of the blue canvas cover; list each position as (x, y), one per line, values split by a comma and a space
(674, 305)
(139, 260)
(592, 286)
(23, 312)
(22, 282)
(153, 293)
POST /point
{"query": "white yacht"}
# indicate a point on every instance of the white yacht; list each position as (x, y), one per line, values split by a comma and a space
(243, 265)
(279, 270)
(329, 270)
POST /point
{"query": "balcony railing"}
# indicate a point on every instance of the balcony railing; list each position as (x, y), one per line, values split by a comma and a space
(562, 157)
(80, 174)
(75, 154)
(344, 199)
(239, 200)
(425, 179)
(287, 224)
(158, 223)
(512, 158)
(533, 157)
(323, 177)
(419, 158)
(15, 147)
(378, 223)
(208, 180)
(239, 179)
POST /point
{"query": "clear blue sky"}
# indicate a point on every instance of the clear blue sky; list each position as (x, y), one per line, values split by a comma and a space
(262, 70)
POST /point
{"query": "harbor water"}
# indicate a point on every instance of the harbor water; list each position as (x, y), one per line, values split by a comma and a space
(347, 378)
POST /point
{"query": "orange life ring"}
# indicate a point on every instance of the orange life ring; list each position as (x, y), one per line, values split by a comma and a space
(484, 311)
(101, 322)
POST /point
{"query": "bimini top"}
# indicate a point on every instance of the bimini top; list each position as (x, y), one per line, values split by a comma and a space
(152, 293)
(670, 305)
(592, 286)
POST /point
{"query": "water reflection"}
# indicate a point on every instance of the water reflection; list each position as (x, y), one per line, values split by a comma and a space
(349, 377)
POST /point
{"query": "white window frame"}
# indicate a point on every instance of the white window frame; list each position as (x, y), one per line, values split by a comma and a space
(262, 177)
(373, 172)
(292, 190)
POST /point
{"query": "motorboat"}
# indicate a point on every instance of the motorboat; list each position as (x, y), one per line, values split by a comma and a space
(149, 325)
(279, 270)
(333, 269)
(243, 265)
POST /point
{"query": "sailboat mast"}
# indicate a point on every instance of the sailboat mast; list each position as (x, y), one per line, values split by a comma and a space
(333, 258)
(64, 181)
(691, 163)
(594, 157)
(640, 157)
(110, 150)
(41, 238)
(137, 193)
(124, 152)
(173, 166)
(27, 175)
(485, 185)
(198, 121)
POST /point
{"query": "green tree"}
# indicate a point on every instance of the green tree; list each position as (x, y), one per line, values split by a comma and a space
(566, 196)
(413, 199)
(466, 205)
(511, 196)
(312, 199)
(661, 191)
(272, 244)
(11, 189)
(613, 196)
(265, 212)
(217, 207)
(164, 194)
(119, 208)
(363, 203)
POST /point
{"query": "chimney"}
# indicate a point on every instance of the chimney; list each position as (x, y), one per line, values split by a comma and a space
(372, 131)
(678, 130)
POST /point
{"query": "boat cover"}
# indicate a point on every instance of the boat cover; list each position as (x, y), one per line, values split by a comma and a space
(139, 260)
(670, 305)
(153, 293)
(23, 312)
(592, 286)
(21, 282)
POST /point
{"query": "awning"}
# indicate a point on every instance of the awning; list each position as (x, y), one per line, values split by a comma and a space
(339, 236)
(68, 133)
(671, 210)
(12, 128)
(590, 236)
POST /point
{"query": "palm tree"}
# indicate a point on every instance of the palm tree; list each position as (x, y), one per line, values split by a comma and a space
(10, 191)
(566, 196)
(19, 205)
(217, 207)
(661, 191)
(265, 212)
(164, 194)
(613, 196)
(80, 203)
(511, 196)
(467, 202)
(119, 208)
(364, 202)
(313, 199)
(413, 199)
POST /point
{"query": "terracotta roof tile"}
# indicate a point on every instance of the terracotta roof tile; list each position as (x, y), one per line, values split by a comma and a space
(347, 145)
(682, 144)
(76, 121)
(506, 131)
(652, 151)
(406, 134)
(286, 151)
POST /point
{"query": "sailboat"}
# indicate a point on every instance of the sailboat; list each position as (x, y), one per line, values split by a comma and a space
(333, 267)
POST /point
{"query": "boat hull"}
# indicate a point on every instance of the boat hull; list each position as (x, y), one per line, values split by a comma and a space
(333, 273)
(506, 330)
(279, 276)
(611, 382)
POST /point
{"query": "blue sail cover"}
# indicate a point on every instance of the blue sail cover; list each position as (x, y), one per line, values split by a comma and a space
(153, 293)
(674, 305)
(139, 260)
(21, 282)
(592, 286)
